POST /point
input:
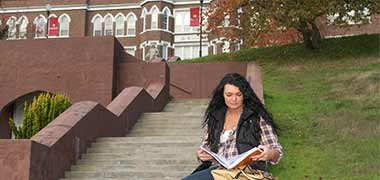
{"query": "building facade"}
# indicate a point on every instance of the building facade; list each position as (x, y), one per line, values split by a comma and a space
(146, 28)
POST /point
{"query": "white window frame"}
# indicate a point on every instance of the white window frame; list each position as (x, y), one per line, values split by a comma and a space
(110, 17)
(130, 47)
(193, 46)
(14, 28)
(165, 50)
(35, 22)
(154, 11)
(167, 11)
(94, 28)
(143, 17)
(122, 25)
(185, 19)
(20, 28)
(129, 26)
(61, 26)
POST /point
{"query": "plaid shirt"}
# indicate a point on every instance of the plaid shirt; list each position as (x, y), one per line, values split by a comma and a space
(228, 147)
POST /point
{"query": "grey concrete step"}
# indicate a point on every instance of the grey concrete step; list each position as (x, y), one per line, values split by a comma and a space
(194, 109)
(144, 145)
(162, 133)
(132, 166)
(152, 149)
(143, 173)
(189, 101)
(168, 124)
(186, 130)
(161, 146)
(157, 178)
(126, 155)
(149, 139)
(138, 162)
(174, 115)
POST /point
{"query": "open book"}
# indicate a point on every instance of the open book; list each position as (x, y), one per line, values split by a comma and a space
(237, 161)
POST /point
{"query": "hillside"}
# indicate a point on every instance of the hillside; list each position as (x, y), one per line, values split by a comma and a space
(327, 104)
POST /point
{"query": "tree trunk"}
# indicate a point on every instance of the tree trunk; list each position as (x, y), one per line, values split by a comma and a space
(311, 35)
(307, 40)
(316, 36)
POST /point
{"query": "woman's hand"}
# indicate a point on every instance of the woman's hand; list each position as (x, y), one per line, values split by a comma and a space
(203, 155)
(268, 154)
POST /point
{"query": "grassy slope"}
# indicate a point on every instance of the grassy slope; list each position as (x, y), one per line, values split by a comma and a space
(327, 104)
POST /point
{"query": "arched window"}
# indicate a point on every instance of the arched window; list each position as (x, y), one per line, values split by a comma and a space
(143, 16)
(40, 22)
(108, 25)
(120, 25)
(178, 22)
(12, 28)
(64, 25)
(97, 22)
(22, 29)
(131, 24)
(165, 19)
(154, 21)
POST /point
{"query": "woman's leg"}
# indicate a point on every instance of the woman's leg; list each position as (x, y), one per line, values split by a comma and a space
(201, 175)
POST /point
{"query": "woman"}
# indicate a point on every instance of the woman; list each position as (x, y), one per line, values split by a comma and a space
(235, 122)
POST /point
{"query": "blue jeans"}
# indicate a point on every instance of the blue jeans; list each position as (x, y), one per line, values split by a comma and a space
(200, 175)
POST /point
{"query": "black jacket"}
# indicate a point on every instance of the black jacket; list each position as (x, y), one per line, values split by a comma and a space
(245, 139)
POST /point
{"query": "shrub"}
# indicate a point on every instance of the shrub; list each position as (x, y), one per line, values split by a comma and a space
(39, 113)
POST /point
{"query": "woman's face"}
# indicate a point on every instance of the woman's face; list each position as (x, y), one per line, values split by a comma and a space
(233, 97)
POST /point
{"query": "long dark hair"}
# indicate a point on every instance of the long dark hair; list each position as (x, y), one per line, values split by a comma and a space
(250, 101)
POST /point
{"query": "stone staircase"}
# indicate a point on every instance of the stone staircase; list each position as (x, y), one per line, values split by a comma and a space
(161, 145)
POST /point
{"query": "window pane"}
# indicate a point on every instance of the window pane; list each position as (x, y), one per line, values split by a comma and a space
(131, 25)
(165, 20)
(178, 52)
(64, 26)
(97, 27)
(178, 22)
(195, 52)
(187, 52)
(12, 29)
(130, 51)
(108, 26)
(40, 27)
(154, 24)
(22, 29)
(204, 51)
(119, 25)
(165, 51)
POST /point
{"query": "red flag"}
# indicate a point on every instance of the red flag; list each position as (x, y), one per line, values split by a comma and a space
(194, 16)
(53, 26)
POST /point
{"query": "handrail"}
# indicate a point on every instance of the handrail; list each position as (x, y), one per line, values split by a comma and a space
(180, 88)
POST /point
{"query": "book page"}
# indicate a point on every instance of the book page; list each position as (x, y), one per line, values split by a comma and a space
(239, 160)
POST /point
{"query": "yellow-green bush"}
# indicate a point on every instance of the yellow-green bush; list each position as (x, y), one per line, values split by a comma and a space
(39, 113)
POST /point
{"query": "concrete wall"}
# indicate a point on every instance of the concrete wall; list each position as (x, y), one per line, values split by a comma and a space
(82, 68)
(56, 147)
(199, 80)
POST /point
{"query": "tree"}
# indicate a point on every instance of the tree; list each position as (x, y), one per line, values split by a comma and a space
(39, 113)
(261, 16)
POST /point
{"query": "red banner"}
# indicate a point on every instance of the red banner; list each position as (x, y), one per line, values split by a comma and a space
(194, 16)
(53, 26)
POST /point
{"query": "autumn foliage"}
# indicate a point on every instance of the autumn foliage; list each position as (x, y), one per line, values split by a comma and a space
(252, 20)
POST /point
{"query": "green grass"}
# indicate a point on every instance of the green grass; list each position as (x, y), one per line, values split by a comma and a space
(327, 104)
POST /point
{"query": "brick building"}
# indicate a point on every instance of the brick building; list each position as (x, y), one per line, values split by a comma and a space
(144, 27)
